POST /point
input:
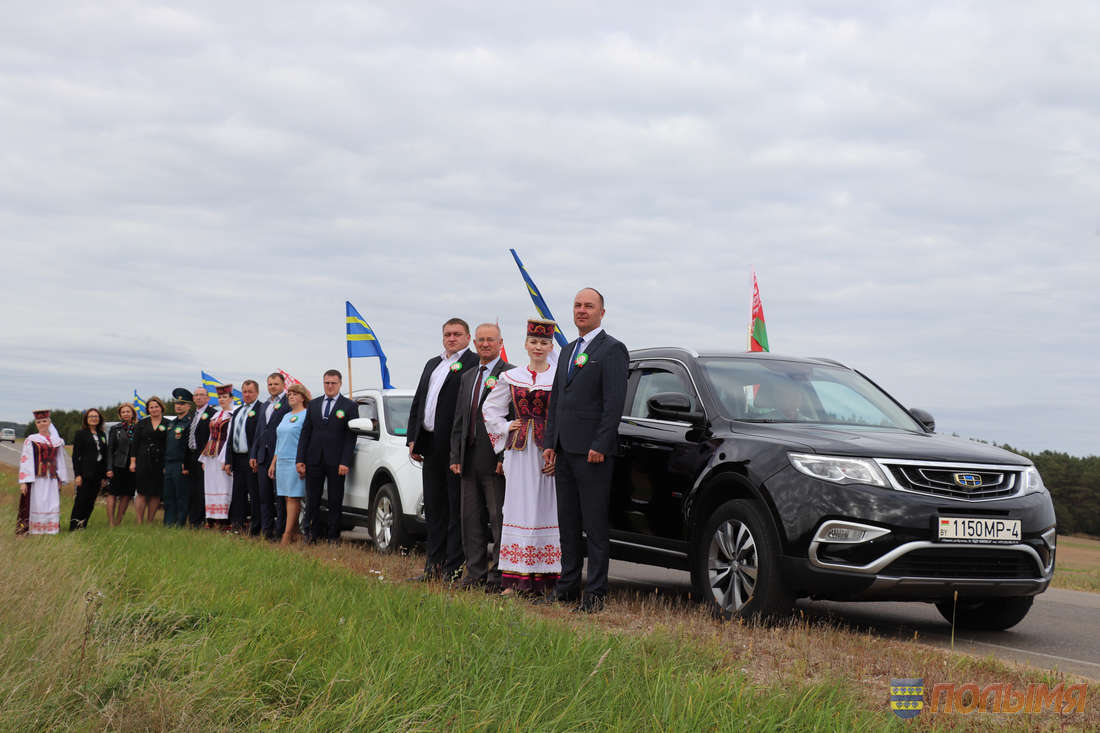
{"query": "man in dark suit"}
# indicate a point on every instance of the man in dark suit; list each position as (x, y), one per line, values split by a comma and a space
(429, 439)
(582, 435)
(199, 434)
(272, 508)
(476, 463)
(326, 449)
(246, 488)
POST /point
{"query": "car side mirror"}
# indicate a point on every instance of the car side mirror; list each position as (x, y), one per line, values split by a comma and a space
(924, 419)
(363, 426)
(672, 406)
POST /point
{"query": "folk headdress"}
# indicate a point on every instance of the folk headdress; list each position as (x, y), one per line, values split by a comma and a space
(225, 390)
(540, 328)
(39, 414)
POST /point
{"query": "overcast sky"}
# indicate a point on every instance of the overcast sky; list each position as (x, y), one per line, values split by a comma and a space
(202, 186)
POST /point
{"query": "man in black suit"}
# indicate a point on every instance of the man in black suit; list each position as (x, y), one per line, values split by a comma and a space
(272, 508)
(239, 463)
(431, 420)
(476, 463)
(200, 433)
(326, 449)
(582, 432)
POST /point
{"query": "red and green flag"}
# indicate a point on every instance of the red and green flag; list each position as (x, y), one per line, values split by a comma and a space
(758, 331)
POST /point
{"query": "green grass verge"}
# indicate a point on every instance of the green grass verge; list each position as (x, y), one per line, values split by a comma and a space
(147, 628)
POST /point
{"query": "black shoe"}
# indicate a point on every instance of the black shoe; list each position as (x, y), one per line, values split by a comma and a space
(492, 586)
(566, 596)
(469, 583)
(591, 603)
(425, 577)
(451, 577)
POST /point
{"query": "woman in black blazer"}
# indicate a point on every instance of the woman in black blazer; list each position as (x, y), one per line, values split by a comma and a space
(89, 467)
(147, 460)
(121, 488)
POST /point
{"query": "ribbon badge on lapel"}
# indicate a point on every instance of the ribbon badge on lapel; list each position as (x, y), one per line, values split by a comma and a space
(340, 414)
(490, 382)
(456, 366)
(581, 360)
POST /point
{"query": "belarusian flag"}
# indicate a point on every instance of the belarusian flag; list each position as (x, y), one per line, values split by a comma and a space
(287, 378)
(758, 331)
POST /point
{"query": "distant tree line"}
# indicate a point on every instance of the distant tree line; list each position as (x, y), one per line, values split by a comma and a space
(68, 422)
(1074, 485)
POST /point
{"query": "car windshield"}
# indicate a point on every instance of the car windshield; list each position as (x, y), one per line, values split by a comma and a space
(795, 392)
(397, 414)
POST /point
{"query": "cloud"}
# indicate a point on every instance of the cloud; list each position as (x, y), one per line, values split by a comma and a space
(202, 186)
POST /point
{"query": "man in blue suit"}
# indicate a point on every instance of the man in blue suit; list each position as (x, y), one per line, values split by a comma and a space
(326, 449)
(272, 508)
(582, 434)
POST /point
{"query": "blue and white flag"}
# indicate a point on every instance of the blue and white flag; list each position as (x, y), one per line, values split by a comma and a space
(363, 342)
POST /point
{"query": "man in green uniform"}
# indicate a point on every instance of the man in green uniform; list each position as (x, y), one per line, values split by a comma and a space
(176, 460)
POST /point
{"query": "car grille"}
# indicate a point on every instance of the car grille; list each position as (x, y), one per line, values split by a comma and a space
(964, 563)
(955, 482)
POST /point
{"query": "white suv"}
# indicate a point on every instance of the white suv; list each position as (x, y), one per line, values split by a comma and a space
(384, 489)
(7, 434)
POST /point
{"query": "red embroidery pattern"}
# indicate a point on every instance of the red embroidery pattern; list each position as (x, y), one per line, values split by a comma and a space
(44, 527)
(532, 407)
(217, 508)
(531, 555)
(520, 526)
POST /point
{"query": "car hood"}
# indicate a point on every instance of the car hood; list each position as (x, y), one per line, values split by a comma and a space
(847, 440)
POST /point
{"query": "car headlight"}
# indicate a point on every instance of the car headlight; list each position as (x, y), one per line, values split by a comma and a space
(839, 469)
(1033, 482)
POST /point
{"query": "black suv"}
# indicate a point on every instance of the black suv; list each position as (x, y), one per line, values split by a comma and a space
(773, 477)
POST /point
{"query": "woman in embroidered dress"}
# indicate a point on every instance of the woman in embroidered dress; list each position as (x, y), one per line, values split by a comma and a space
(89, 467)
(42, 471)
(121, 488)
(530, 546)
(283, 466)
(217, 484)
(147, 460)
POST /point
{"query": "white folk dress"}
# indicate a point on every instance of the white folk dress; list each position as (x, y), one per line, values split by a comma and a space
(530, 543)
(44, 516)
(217, 484)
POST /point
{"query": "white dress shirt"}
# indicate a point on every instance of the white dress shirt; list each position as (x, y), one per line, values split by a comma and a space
(588, 339)
(435, 383)
(240, 438)
(271, 406)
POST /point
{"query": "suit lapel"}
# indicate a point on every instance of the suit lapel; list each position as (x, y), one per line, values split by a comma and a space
(592, 350)
(496, 372)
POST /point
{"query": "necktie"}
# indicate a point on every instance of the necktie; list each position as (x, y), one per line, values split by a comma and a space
(473, 405)
(576, 353)
(328, 407)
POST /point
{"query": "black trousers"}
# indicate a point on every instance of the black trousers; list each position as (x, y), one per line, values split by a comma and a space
(482, 510)
(196, 502)
(272, 507)
(442, 512)
(316, 477)
(243, 480)
(584, 499)
(84, 501)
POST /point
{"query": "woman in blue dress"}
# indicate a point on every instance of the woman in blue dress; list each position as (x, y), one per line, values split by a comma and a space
(287, 481)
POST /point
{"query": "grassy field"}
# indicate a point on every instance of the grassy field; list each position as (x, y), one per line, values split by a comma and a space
(143, 628)
(1077, 565)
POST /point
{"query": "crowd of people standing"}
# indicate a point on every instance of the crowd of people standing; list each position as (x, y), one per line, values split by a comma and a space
(517, 460)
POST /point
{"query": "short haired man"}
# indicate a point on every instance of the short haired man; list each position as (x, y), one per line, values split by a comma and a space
(581, 435)
(272, 508)
(177, 491)
(431, 420)
(326, 449)
(246, 488)
(198, 435)
(474, 459)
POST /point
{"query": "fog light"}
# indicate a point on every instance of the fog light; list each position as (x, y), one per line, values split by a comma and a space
(848, 532)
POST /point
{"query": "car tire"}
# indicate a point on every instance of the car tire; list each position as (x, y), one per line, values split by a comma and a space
(736, 568)
(387, 521)
(986, 614)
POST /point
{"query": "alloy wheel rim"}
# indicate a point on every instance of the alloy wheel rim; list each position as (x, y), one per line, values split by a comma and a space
(732, 565)
(383, 522)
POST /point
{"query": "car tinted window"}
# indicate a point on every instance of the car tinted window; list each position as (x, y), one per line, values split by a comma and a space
(785, 391)
(653, 380)
(397, 414)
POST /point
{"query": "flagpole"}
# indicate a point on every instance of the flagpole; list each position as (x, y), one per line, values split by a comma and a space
(349, 378)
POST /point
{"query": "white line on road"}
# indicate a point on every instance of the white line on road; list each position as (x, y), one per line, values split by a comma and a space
(1038, 654)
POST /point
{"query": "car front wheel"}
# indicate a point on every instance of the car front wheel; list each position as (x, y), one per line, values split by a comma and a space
(387, 522)
(986, 614)
(736, 566)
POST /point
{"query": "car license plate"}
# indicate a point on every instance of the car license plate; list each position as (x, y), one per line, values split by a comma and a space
(981, 531)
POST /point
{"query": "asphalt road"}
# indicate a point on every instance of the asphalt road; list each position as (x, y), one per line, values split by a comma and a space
(1060, 632)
